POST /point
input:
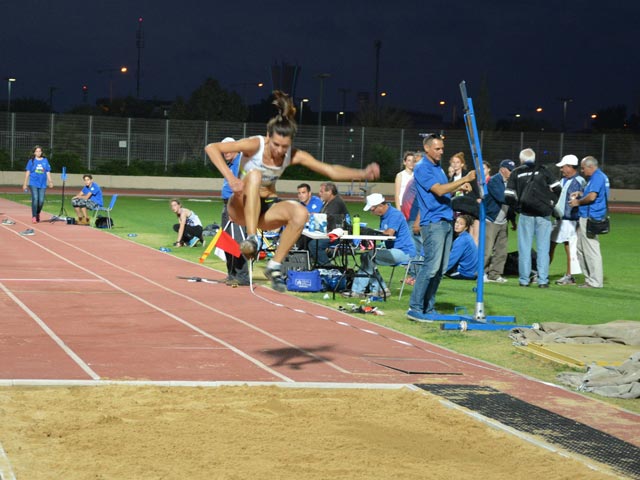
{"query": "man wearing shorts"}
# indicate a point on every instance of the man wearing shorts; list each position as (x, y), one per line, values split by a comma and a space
(564, 230)
(89, 198)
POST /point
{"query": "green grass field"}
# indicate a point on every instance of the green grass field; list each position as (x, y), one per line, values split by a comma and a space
(151, 219)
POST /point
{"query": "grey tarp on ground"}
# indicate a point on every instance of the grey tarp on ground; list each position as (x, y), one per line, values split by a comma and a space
(619, 382)
(626, 332)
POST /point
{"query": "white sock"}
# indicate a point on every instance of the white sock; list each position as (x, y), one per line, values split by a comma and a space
(273, 265)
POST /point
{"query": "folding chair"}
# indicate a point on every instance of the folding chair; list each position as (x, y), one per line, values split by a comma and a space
(108, 209)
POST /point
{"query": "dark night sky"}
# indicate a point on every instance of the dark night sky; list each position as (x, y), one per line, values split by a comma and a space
(533, 53)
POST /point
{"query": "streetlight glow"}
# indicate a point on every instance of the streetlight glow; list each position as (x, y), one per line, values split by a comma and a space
(302, 102)
(539, 109)
(10, 80)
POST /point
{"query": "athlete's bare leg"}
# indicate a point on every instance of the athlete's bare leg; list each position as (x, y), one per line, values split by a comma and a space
(293, 216)
(252, 201)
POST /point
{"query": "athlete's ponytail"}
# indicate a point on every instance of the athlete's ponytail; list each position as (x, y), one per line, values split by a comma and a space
(284, 122)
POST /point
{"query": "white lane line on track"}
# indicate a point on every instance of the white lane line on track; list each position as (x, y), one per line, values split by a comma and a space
(6, 472)
(205, 334)
(41, 280)
(51, 334)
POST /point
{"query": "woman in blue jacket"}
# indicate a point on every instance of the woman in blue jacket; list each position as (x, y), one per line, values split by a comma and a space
(37, 178)
(463, 259)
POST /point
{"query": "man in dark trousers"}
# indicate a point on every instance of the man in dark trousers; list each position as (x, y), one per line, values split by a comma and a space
(237, 267)
(533, 190)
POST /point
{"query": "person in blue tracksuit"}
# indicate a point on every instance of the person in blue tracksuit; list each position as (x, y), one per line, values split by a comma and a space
(463, 259)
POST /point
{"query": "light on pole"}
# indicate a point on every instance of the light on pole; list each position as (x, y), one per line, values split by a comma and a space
(338, 115)
(302, 102)
(9, 82)
(122, 69)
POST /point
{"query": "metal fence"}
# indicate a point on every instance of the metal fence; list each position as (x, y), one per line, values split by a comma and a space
(99, 140)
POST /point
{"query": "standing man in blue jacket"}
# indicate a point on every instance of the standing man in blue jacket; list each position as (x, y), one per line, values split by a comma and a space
(496, 231)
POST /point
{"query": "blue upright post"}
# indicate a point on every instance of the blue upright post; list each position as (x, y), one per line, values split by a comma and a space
(476, 151)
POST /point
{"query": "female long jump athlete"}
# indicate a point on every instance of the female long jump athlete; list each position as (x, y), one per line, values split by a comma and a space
(254, 202)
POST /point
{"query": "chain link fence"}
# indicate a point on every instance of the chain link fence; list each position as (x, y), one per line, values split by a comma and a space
(97, 141)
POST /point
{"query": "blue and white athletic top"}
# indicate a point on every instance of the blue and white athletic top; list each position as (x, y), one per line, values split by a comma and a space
(270, 175)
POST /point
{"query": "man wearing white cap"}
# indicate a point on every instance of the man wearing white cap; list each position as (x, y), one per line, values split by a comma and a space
(397, 252)
(564, 231)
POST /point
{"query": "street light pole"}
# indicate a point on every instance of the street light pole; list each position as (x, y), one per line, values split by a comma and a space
(302, 102)
(139, 46)
(565, 101)
(321, 77)
(9, 82)
(122, 69)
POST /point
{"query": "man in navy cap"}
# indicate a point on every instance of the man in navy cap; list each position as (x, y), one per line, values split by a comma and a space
(497, 216)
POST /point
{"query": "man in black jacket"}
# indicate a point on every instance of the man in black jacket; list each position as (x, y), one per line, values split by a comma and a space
(533, 191)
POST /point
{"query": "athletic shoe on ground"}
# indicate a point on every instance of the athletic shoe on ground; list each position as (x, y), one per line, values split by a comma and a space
(249, 247)
(351, 294)
(387, 293)
(34, 220)
(38, 218)
(27, 232)
(498, 279)
(566, 280)
(417, 316)
(8, 221)
(275, 275)
(234, 282)
(194, 241)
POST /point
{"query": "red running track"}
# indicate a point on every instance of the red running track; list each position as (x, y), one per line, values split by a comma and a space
(79, 303)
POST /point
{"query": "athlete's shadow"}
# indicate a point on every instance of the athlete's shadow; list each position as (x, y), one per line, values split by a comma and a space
(295, 358)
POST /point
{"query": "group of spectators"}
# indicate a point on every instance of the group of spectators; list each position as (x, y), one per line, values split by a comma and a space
(427, 202)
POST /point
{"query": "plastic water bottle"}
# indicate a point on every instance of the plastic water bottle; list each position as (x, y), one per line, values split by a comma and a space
(164, 249)
(356, 224)
(312, 223)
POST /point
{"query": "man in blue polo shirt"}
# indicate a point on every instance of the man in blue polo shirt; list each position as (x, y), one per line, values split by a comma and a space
(312, 203)
(397, 252)
(89, 198)
(436, 216)
(592, 203)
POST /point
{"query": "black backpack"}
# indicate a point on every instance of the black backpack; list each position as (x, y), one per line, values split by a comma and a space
(104, 222)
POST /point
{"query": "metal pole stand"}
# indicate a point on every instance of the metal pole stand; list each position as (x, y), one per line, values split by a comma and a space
(62, 216)
(479, 317)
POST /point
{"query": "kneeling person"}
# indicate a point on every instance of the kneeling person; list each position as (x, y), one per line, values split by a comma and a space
(189, 228)
(89, 198)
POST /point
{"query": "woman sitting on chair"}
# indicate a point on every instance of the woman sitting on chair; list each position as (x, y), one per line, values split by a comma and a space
(254, 202)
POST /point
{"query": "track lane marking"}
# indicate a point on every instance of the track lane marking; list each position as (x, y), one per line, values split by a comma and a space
(76, 358)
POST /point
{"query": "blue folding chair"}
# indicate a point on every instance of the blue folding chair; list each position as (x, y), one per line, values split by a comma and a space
(106, 209)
